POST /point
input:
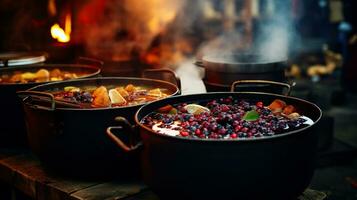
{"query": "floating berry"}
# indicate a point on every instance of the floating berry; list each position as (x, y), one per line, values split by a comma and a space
(237, 128)
(184, 133)
(259, 104)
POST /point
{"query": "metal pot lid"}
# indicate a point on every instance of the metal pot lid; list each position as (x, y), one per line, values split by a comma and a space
(241, 63)
(21, 58)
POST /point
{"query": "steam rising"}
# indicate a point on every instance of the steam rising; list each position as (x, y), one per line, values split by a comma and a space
(270, 41)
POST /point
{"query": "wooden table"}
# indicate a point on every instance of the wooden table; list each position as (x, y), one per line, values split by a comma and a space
(23, 172)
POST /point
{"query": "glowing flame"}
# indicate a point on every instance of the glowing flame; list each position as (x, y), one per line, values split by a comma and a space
(159, 21)
(62, 35)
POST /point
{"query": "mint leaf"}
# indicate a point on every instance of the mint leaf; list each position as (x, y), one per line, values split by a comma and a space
(251, 115)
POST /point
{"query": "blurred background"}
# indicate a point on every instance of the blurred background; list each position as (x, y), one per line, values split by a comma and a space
(316, 39)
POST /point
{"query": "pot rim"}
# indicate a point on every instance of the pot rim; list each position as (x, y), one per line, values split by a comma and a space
(106, 78)
(223, 63)
(46, 66)
(230, 140)
(21, 58)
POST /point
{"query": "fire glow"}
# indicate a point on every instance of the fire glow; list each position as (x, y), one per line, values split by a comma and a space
(62, 35)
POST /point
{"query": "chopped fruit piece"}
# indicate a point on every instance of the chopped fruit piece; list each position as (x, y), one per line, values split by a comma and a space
(43, 75)
(173, 111)
(28, 76)
(165, 109)
(277, 106)
(196, 109)
(99, 90)
(294, 115)
(101, 97)
(115, 97)
(55, 73)
(122, 91)
(71, 89)
(130, 88)
(55, 79)
(288, 110)
(155, 92)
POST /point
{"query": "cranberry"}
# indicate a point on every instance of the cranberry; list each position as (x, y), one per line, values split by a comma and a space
(222, 131)
(225, 108)
(184, 133)
(244, 130)
(237, 128)
(233, 135)
(198, 132)
(259, 104)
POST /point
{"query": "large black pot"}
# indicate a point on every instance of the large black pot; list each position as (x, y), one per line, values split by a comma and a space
(12, 127)
(278, 167)
(73, 140)
(221, 70)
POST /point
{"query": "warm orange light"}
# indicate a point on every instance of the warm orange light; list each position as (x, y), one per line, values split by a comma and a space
(161, 14)
(62, 35)
(160, 20)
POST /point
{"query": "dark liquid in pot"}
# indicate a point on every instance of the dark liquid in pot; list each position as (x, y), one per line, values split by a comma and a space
(224, 119)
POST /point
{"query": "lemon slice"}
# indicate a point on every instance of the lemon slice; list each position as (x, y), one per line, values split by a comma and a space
(71, 89)
(155, 92)
(115, 97)
(196, 109)
(122, 91)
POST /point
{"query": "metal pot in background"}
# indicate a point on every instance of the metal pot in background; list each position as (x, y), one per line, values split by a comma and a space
(13, 59)
(72, 140)
(12, 125)
(221, 70)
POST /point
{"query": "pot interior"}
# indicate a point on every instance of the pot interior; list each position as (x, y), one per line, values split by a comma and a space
(109, 82)
(83, 71)
(305, 108)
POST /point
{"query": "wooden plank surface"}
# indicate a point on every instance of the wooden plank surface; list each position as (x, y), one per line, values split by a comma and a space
(110, 190)
(23, 171)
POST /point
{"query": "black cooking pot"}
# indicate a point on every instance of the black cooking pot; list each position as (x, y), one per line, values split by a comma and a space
(12, 128)
(221, 70)
(73, 140)
(278, 167)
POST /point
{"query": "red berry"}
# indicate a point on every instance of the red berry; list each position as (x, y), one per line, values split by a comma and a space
(233, 135)
(198, 132)
(259, 104)
(244, 130)
(237, 128)
(225, 108)
(184, 133)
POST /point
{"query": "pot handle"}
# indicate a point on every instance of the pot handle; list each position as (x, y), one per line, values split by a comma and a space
(40, 96)
(127, 127)
(279, 84)
(162, 71)
(44, 97)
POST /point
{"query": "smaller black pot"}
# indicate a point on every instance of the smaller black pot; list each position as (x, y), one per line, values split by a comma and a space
(12, 125)
(73, 140)
(221, 70)
(279, 167)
